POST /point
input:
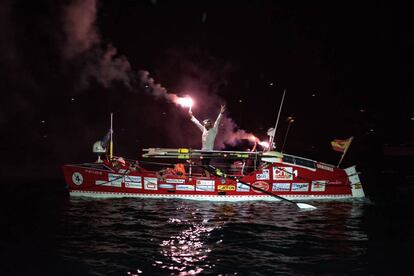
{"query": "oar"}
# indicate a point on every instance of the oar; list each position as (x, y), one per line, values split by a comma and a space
(300, 205)
(218, 172)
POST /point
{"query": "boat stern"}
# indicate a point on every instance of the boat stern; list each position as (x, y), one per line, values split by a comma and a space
(356, 186)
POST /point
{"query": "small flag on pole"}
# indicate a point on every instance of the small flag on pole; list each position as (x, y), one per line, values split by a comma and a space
(341, 145)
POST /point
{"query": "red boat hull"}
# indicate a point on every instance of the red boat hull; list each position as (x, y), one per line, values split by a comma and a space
(287, 180)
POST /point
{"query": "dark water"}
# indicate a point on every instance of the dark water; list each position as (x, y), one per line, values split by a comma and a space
(45, 232)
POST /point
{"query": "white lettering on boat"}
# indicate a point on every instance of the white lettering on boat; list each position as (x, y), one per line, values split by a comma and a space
(93, 172)
(300, 187)
(324, 167)
(335, 182)
(281, 187)
(205, 185)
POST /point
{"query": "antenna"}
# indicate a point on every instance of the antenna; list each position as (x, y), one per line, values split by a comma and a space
(111, 145)
(272, 137)
(290, 120)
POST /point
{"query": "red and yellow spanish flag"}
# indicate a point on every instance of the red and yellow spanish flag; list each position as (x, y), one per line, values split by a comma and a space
(341, 145)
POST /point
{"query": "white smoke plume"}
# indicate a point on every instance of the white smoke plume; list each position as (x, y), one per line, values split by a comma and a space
(230, 134)
(79, 25)
(149, 84)
(105, 65)
(83, 42)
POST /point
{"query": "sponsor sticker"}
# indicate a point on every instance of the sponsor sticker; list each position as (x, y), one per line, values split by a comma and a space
(283, 173)
(318, 185)
(205, 185)
(226, 187)
(264, 175)
(281, 187)
(261, 185)
(150, 183)
(242, 187)
(114, 180)
(300, 187)
(77, 178)
(166, 186)
(133, 182)
(358, 186)
(351, 170)
(354, 179)
(181, 187)
(175, 181)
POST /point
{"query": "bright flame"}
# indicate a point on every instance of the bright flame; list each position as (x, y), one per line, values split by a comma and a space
(184, 101)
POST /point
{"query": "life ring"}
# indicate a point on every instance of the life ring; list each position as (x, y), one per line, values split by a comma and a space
(77, 178)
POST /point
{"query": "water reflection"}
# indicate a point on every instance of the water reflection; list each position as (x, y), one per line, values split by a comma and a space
(158, 237)
(259, 230)
(186, 252)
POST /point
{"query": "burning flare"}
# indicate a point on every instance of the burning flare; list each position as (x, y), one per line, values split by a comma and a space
(186, 101)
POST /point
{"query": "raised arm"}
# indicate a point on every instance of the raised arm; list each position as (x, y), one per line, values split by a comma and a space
(219, 117)
(195, 121)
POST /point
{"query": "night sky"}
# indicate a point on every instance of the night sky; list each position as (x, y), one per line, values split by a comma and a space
(65, 65)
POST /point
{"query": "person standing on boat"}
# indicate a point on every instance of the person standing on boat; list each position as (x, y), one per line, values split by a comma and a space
(209, 132)
(208, 129)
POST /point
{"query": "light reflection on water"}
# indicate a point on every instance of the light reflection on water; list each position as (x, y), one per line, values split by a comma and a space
(159, 237)
(187, 249)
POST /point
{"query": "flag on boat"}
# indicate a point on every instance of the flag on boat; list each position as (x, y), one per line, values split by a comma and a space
(341, 145)
(106, 138)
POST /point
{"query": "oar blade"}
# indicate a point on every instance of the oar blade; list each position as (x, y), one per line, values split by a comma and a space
(305, 206)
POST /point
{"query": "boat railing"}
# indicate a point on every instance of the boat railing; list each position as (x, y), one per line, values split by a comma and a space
(194, 168)
(296, 160)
